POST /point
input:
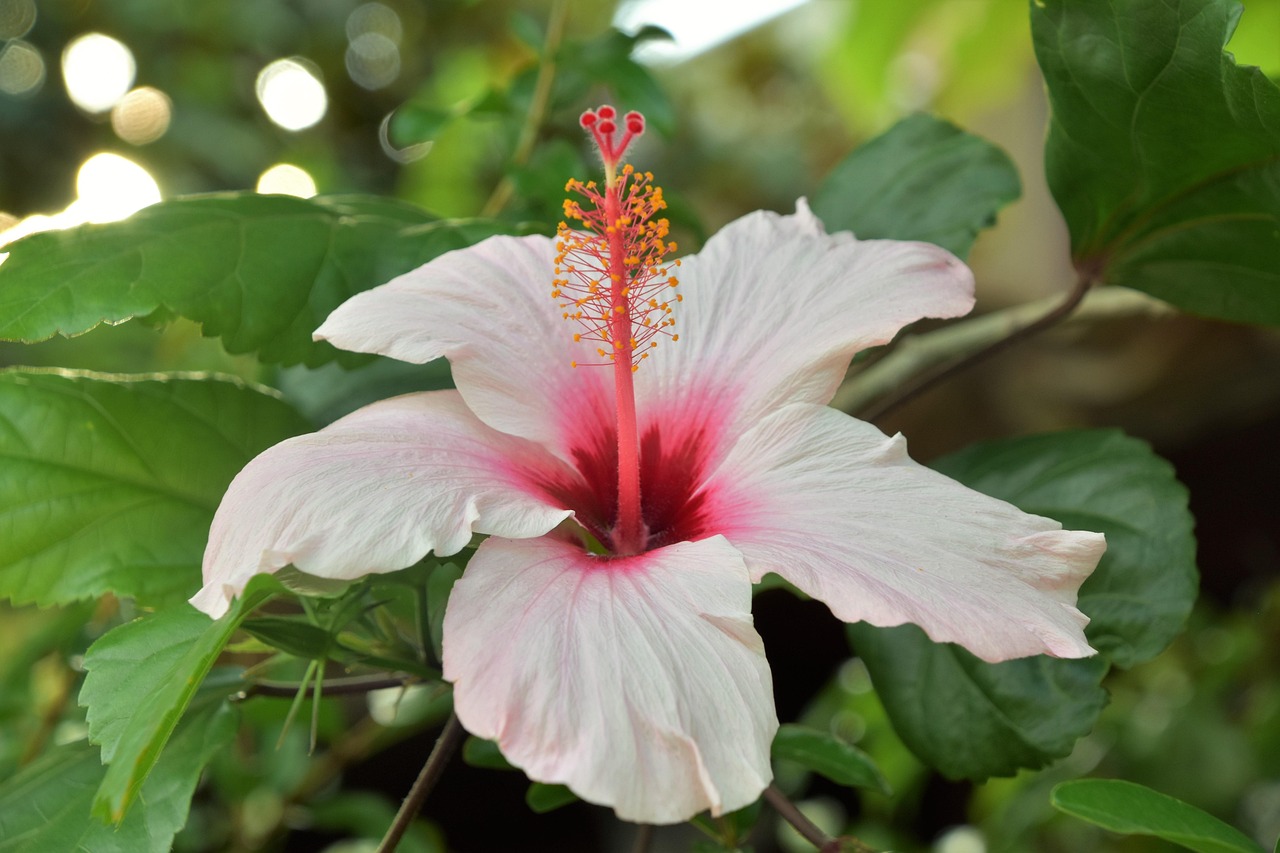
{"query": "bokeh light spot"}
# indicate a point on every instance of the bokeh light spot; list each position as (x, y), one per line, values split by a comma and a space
(98, 70)
(17, 17)
(21, 68)
(373, 60)
(292, 94)
(142, 116)
(287, 179)
(111, 187)
(374, 18)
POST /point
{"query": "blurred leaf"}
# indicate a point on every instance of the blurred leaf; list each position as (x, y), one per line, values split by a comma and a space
(292, 636)
(110, 483)
(824, 753)
(1131, 809)
(439, 584)
(923, 179)
(46, 806)
(141, 678)
(414, 124)
(606, 61)
(368, 815)
(974, 720)
(324, 394)
(260, 271)
(546, 798)
(1162, 153)
(1139, 597)
(527, 29)
(484, 753)
(971, 719)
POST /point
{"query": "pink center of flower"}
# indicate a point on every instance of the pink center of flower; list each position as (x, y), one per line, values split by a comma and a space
(612, 280)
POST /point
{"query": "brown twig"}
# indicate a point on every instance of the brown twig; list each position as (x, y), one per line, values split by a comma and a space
(332, 687)
(644, 839)
(787, 811)
(927, 380)
(537, 108)
(447, 744)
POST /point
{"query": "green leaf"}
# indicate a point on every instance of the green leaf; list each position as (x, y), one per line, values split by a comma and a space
(293, 636)
(46, 806)
(261, 272)
(824, 753)
(544, 798)
(974, 720)
(1131, 809)
(923, 179)
(141, 678)
(439, 584)
(484, 753)
(110, 483)
(1162, 153)
(971, 719)
(1139, 597)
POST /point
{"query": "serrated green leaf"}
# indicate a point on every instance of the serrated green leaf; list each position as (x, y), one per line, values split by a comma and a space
(824, 753)
(46, 806)
(974, 720)
(109, 483)
(544, 798)
(1139, 597)
(923, 179)
(484, 753)
(141, 678)
(261, 272)
(971, 719)
(1162, 153)
(1132, 809)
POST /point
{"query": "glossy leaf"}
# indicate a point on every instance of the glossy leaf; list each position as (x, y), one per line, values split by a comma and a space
(1132, 809)
(972, 719)
(141, 678)
(46, 806)
(824, 753)
(261, 272)
(923, 179)
(1162, 153)
(109, 484)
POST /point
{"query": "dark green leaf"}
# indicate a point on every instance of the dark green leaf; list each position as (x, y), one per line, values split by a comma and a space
(262, 272)
(824, 753)
(109, 484)
(545, 798)
(484, 753)
(46, 807)
(324, 394)
(971, 719)
(923, 179)
(141, 678)
(1131, 809)
(293, 636)
(439, 584)
(1162, 153)
(1102, 480)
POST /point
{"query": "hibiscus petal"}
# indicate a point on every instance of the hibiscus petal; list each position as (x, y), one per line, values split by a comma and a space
(773, 310)
(489, 310)
(639, 682)
(832, 505)
(375, 492)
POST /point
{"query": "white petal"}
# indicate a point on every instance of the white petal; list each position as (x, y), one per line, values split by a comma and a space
(375, 492)
(774, 309)
(489, 310)
(638, 682)
(832, 505)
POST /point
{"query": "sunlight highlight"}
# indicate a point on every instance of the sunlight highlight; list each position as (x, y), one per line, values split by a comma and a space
(98, 71)
(287, 179)
(292, 94)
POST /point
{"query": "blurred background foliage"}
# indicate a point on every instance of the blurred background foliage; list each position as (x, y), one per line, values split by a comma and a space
(750, 105)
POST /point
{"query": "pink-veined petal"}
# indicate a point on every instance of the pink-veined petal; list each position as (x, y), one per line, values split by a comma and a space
(640, 683)
(375, 492)
(773, 310)
(488, 309)
(832, 505)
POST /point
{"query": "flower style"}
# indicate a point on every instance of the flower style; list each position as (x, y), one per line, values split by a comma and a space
(602, 634)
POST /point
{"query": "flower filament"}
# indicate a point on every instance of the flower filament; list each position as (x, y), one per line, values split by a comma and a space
(612, 279)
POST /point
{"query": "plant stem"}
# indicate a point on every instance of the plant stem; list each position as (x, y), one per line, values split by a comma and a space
(447, 744)
(917, 353)
(644, 839)
(787, 811)
(333, 687)
(537, 107)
